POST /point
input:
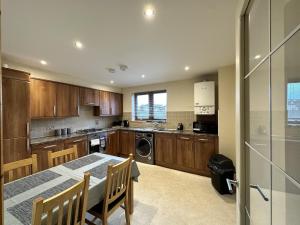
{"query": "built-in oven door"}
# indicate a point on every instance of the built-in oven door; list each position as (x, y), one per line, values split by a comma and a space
(94, 145)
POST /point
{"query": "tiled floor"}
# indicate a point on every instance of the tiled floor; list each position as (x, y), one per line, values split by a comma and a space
(170, 197)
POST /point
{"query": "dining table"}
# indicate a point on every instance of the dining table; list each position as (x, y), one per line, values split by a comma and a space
(19, 194)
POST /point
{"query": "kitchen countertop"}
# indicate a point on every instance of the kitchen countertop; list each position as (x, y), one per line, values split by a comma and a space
(42, 140)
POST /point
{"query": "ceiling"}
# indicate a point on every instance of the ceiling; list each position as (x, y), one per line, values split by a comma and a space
(197, 33)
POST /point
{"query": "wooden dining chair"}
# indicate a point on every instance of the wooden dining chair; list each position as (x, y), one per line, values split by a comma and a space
(116, 192)
(70, 206)
(63, 156)
(20, 168)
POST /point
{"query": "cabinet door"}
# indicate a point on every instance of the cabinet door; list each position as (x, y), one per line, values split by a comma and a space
(42, 152)
(112, 143)
(42, 98)
(16, 104)
(80, 142)
(127, 143)
(105, 103)
(15, 149)
(185, 151)
(89, 96)
(204, 149)
(67, 100)
(165, 148)
(116, 105)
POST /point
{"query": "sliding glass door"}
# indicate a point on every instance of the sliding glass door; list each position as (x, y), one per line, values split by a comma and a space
(272, 112)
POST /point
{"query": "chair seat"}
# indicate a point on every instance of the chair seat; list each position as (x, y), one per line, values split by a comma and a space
(99, 207)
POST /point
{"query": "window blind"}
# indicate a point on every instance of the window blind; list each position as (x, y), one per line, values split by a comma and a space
(151, 105)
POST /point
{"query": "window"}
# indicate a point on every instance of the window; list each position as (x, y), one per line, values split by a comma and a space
(293, 103)
(150, 105)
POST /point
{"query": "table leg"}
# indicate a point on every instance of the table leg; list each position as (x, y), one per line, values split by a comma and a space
(131, 203)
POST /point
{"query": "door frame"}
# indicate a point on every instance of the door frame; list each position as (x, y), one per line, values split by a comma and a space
(239, 110)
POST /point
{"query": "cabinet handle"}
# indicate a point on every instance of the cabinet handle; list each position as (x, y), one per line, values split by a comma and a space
(49, 146)
(77, 140)
(27, 129)
(54, 110)
(202, 139)
(91, 103)
(28, 145)
(113, 132)
(125, 132)
(78, 110)
(184, 138)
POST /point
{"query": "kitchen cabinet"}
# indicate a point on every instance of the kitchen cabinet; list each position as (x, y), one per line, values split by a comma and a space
(67, 100)
(185, 151)
(80, 142)
(127, 143)
(16, 114)
(89, 96)
(42, 98)
(165, 149)
(116, 104)
(189, 153)
(112, 143)
(111, 104)
(42, 152)
(205, 147)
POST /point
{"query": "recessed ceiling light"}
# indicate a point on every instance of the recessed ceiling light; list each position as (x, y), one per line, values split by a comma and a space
(112, 82)
(149, 12)
(43, 62)
(143, 76)
(186, 68)
(257, 57)
(78, 44)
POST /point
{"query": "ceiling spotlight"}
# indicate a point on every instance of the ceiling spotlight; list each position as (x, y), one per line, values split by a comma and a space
(123, 67)
(257, 57)
(143, 76)
(186, 68)
(112, 82)
(78, 44)
(43, 62)
(149, 12)
(111, 70)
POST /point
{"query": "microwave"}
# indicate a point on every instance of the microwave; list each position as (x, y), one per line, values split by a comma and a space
(205, 127)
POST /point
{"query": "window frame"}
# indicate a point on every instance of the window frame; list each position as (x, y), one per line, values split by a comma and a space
(151, 105)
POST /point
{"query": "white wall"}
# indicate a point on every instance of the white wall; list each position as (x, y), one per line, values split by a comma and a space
(69, 79)
(226, 76)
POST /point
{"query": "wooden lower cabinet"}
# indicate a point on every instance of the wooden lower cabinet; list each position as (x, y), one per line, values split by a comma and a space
(112, 143)
(185, 151)
(165, 149)
(204, 147)
(15, 149)
(80, 142)
(42, 152)
(127, 143)
(189, 153)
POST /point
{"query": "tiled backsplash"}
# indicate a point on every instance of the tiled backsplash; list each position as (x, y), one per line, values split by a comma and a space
(46, 127)
(173, 118)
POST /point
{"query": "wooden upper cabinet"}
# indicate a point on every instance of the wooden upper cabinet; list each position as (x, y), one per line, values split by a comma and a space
(105, 109)
(185, 151)
(111, 104)
(89, 96)
(165, 149)
(16, 103)
(42, 98)
(116, 104)
(67, 100)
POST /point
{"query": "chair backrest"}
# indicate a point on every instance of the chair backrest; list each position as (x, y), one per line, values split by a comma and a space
(117, 181)
(70, 205)
(21, 168)
(63, 156)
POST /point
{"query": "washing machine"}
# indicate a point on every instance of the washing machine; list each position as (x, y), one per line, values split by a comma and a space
(144, 147)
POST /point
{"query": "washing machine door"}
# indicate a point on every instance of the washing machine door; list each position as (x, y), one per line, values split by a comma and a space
(143, 147)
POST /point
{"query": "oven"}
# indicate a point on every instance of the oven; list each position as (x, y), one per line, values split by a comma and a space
(97, 142)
